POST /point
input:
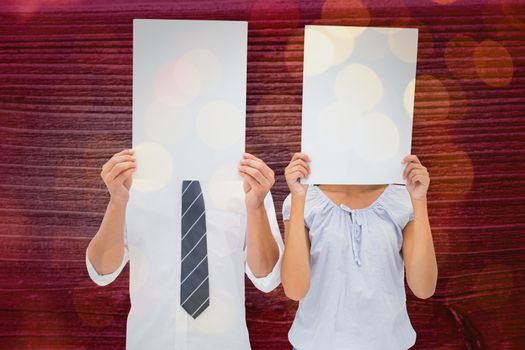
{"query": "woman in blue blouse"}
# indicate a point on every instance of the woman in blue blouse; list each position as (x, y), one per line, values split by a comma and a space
(346, 251)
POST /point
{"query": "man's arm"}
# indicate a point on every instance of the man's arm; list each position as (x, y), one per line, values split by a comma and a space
(262, 251)
(106, 253)
(106, 249)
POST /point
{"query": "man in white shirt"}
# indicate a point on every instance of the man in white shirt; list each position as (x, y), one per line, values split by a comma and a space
(242, 237)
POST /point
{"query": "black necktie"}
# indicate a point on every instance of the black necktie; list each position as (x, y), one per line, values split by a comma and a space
(194, 282)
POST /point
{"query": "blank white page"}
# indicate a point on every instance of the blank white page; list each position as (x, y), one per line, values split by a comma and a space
(358, 98)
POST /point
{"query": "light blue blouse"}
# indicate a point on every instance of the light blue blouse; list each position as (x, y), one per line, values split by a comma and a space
(357, 295)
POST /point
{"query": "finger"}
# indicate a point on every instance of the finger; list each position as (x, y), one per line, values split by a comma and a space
(418, 178)
(299, 167)
(411, 158)
(414, 173)
(259, 181)
(127, 151)
(302, 156)
(412, 167)
(118, 169)
(123, 176)
(124, 151)
(256, 174)
(117, 159)
(259, 165)
(299, 162)
(251, 180)
(250, 156)
(409, 168)
(296, 175)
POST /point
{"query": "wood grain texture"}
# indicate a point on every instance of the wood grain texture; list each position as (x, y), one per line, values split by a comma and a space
(65, 108)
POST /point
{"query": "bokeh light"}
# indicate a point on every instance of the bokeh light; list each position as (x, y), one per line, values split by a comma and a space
(264, 13)
(224, 193)
(346, 12)
(139, 268)
(294, 55)
(493, 63)
(26, 9)
(343, 40)
(444, 2)
(167, 123)
(400, 42)
(379, 132)
(334, 122)
(408, 98)
(319, 52)
(220, 115)
(459, 56)
(194, 74)
(425, 43)
(360, 85)
(373, 52)
(432, 101)
(154, 167)
(178, 82)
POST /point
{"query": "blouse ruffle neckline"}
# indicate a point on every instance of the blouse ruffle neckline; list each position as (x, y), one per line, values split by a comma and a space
(357, 215)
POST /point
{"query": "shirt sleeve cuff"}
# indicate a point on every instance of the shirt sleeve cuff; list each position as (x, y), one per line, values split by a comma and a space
(273, 279)
(103, 280)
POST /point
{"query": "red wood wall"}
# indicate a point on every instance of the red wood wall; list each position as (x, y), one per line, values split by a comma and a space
(65, 108)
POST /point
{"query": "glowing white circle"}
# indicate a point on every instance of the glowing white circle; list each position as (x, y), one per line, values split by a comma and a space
(359, 86)
(219, 124)
(379, 133)
(154, 167)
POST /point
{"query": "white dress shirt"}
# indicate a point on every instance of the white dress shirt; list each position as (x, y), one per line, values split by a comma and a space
(152, 245)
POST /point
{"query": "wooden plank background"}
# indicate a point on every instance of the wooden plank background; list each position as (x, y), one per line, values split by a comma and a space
(65, 108)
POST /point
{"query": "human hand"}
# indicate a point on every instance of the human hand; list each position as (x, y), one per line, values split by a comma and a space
(418, 179)
(258, 180)
(298, 168)
(116, 173)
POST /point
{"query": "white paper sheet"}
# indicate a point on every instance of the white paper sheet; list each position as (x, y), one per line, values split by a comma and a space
(189, 101)
(358, 98)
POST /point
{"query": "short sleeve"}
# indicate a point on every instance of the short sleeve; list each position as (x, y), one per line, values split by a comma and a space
(273, 279)
(411, 215)
(287, 204)
(401, 206)
(103, 280)
(308, 212)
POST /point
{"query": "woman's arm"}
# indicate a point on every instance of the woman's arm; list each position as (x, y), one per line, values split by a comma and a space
(295, 269)
(418, 246)
(106, 249)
